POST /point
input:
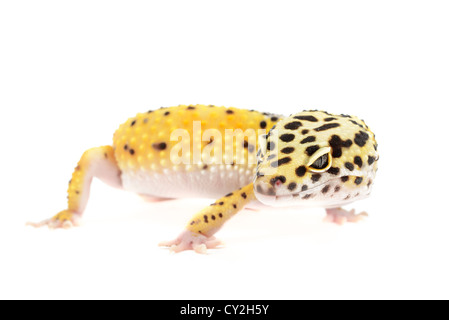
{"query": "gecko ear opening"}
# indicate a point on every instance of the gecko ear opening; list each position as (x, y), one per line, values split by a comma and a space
(321, 160)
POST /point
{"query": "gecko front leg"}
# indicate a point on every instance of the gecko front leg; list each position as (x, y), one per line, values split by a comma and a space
(96, 162)
(198, 234)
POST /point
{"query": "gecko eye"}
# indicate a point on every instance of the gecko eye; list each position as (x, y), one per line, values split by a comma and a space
(321, 160)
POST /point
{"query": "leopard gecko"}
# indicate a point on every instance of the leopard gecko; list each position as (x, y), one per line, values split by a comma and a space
(311, 158)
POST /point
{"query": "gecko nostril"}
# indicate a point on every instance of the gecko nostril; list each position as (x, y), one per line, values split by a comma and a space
(277, 181)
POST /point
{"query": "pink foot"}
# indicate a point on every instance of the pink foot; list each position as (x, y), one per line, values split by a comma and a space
(188, 240)
(340, 216)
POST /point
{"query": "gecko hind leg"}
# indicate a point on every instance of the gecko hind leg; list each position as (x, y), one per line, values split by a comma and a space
(97, 162)
(340, 216)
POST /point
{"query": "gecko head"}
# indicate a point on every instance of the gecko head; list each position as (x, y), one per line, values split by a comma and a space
(314, 158)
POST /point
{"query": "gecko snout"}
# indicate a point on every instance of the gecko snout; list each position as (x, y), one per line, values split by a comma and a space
(268, 186)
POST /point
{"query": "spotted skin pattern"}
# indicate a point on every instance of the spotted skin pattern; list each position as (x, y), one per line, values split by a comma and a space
(349, 151)
(312, 158)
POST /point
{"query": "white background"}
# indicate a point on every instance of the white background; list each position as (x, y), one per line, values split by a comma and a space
(71, 72)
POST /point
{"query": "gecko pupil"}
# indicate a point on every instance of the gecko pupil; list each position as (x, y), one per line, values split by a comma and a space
(321, 162)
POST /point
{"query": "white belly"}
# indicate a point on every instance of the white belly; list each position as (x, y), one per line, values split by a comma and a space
(214, 182)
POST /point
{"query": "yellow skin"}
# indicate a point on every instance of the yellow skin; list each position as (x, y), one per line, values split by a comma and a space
(141, 160)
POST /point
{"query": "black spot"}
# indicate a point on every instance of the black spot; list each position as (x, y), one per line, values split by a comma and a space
(234, 205)
(325, 189)
(243, 195)
(344, 178)
(327, 126)
(281, 162)
(133, 123)
(336, 144)
(205, 167)
(371, 160)
(358, 180)
(337, 188)
(220, 215)
(77, 192)
(357, 124)
(274, 119)
(293, 125)
(308, 139)
(190, 108)
(369, 182)
(205, 219)
(361, 138)
(229, 111)
(305, 131)
(349, 166)
(260, 174)
(347, 197)
(345, 115)
(288, 150)
(329, 119)
(306, 118)
(131, 151)
(149, 111)
(304, 187)
(245, 144)
(334, 170)
(287, 137)
(300, 171)
(166, 113)
(192, 223)
(213, 217)
(276, 179)
(105, 155)
(291, 186)
(312, 149)
(271, 145)
(229, 194)
(307, 196)
(125, 147)
(210, 141)
(316, 177)
(263, 124)
(159, 146)
(221, 203)
(358, 161)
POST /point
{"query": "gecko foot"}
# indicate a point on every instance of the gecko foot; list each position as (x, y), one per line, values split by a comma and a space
(341, 216)
(188, 240)
(64, 219)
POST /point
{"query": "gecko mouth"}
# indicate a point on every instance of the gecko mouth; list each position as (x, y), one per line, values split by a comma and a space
(330, 191)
